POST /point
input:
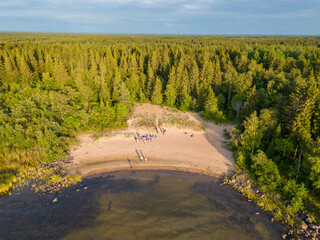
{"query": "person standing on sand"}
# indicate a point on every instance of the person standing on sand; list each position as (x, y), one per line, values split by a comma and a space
(130, 163)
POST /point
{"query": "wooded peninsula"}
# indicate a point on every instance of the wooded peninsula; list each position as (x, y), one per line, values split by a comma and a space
(53, 86)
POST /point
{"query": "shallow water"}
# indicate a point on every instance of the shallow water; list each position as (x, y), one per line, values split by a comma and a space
(137, 205)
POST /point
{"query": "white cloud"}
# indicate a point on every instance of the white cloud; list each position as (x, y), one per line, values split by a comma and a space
(193, 13)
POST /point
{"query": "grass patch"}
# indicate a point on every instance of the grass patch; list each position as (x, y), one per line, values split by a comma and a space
(112, 135)
(180, 121)
(144, 121)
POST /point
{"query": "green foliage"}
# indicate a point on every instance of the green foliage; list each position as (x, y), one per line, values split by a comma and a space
(240, 160)
(252, 135)
(296, 193)
(211, 109)
(54, 85)
(313, 164)
(265, 171)
(221, 101)
(186, 100)
(157, 92)
(124, 95)
(283, 145)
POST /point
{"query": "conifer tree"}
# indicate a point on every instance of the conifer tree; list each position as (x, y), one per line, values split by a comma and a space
(186, 100)
(268, 122)
(211, 109)
(124, 95)
(251, 102)
(252, 135)
(211, 103)
(156, 97)
(170, 92)
(26, 75)
(170, 95)
(115, 86)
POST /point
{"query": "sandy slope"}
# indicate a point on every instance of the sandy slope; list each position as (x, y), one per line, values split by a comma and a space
(175, 150)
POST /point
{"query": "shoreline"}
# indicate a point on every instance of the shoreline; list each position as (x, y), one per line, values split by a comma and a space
(88, 171)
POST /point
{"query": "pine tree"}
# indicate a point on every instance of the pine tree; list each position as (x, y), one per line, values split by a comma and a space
(170, 92)
(211, 103)
(104, 92)
(60, 74)
(26, 75)
(252, 135)
(268, 122)
(124, 95)
(186, 100)
(115, 86)
(251, 102)
(156, 97)
(211, 109)
(170, 95)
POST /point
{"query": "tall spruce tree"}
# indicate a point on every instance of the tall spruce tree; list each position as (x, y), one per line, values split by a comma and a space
(157, 92)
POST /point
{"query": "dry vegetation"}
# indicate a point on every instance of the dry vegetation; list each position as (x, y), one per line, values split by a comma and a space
(166, 118)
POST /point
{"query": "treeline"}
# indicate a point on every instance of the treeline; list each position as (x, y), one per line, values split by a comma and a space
(55, 85)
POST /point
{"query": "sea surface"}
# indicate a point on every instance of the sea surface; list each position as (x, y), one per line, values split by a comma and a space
(137, 205)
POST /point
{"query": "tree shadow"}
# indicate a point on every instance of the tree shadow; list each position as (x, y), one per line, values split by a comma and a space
(214, 135)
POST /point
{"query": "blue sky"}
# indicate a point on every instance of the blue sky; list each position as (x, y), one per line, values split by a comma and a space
(162, 16)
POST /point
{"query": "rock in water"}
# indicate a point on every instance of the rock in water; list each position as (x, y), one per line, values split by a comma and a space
(55, 200)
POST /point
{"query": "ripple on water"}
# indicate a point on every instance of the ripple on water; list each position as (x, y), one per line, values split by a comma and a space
(137, 205)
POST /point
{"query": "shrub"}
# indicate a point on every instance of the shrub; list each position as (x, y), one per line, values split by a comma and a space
(217, 116)
(265, 171)
(296, 194)
(241, 160)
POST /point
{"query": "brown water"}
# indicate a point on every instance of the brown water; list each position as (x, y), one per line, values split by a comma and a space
(137, 205)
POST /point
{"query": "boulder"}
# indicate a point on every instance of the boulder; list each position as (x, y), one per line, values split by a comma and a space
(311, 226)
(304, 226)
(308, 220)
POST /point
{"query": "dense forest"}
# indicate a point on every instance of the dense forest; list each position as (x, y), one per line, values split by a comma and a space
(55, 85)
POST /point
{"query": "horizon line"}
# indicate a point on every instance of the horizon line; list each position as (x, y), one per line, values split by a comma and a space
(160, 34)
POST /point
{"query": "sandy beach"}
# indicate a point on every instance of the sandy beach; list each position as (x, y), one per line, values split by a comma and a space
(177, 149)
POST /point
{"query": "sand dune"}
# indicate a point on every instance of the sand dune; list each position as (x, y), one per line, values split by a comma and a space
(205, 152)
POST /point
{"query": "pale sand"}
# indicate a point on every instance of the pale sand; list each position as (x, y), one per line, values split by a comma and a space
(204, 153)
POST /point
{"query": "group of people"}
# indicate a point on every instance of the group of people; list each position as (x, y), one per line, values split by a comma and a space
(148, 137)
(145, 138)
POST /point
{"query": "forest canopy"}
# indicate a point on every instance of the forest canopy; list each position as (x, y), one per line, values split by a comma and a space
(55, 85)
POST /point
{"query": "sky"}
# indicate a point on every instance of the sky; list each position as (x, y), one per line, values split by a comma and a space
(208, 17)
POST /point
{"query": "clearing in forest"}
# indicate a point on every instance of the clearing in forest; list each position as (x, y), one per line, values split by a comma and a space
(157, 138)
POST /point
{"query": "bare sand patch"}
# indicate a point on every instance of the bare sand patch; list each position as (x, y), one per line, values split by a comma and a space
(176, 149)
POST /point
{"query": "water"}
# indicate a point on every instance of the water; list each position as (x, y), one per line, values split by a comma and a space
(137, 205)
